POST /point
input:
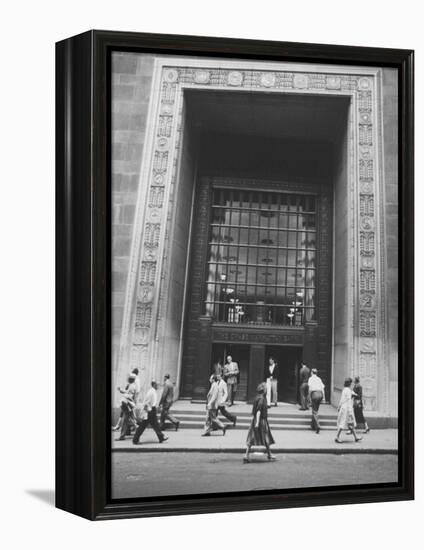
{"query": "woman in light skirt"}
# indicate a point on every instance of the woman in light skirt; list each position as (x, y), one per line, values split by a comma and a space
(346, 417)
(259, 434)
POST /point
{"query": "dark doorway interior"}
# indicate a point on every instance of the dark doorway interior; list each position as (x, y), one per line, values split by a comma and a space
(287, 357)
(288, 360)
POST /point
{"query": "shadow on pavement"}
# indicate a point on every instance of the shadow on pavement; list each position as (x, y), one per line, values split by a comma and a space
(45, 495)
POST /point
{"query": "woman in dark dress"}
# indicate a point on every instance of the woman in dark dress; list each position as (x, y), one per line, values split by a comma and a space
(259, 434)
(358, 405)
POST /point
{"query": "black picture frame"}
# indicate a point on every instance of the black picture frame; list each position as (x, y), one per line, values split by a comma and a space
(83, 256)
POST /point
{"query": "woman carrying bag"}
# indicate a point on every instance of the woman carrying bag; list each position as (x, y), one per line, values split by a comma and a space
(259, 434)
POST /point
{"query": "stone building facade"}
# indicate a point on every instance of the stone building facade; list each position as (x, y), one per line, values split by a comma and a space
(184, 127)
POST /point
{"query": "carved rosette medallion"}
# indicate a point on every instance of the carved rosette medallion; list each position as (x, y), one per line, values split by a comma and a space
(167, 128)
(145, 294)
(366, 187)
(365, 117)
(364, 83)
(367, 223)
(154, 215)
(235, 78)
(171, 75)
(166, 109)
(368, 345)
(150, 253)
(162, 143)
(333, 82)
(365, 152)
(268, 80)
(367, 301)
(202, 77)
(368, 259)
(300, 81)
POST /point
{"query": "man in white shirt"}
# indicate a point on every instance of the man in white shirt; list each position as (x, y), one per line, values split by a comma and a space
(149, 405)
(316, 393)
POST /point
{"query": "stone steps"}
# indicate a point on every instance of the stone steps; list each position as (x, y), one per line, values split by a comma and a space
(296, 420)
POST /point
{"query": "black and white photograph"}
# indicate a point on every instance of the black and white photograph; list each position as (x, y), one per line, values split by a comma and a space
(254, 275)
(210, 235)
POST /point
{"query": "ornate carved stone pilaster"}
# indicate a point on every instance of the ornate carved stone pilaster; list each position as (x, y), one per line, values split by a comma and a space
(367, 227)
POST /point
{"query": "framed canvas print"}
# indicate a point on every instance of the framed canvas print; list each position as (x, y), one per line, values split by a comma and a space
(234, 275)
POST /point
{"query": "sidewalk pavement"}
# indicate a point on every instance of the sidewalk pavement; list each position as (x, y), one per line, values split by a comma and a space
(290, 441)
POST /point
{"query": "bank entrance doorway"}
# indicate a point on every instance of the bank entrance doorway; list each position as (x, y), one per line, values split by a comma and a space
(253, 360)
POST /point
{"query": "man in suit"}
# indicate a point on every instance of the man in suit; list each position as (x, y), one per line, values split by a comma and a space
(271, 377)
(212, 421)
(166, 402)
(304, 374)
(149, 406)
(231, 372)
(222, 399)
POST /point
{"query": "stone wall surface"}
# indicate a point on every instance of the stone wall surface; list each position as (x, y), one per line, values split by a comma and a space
(391, 219)
(131, 83)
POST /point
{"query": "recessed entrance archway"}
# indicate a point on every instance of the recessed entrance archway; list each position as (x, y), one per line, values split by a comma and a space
(156, 292)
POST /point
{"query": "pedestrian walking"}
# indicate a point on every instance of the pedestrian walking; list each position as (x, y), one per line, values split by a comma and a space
(212, 421)
(128, 403)
(165, 403)
(231, 372)
(271, 377)
(346, 418)
(316, 395)
(149, 406)
(358, 405)
(222, 400)
(259, 434)
(304, 374)
(134, 398)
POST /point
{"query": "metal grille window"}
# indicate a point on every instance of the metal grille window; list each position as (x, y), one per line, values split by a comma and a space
(261, 258)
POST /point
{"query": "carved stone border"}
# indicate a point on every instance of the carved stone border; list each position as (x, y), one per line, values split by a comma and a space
(147, 283)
